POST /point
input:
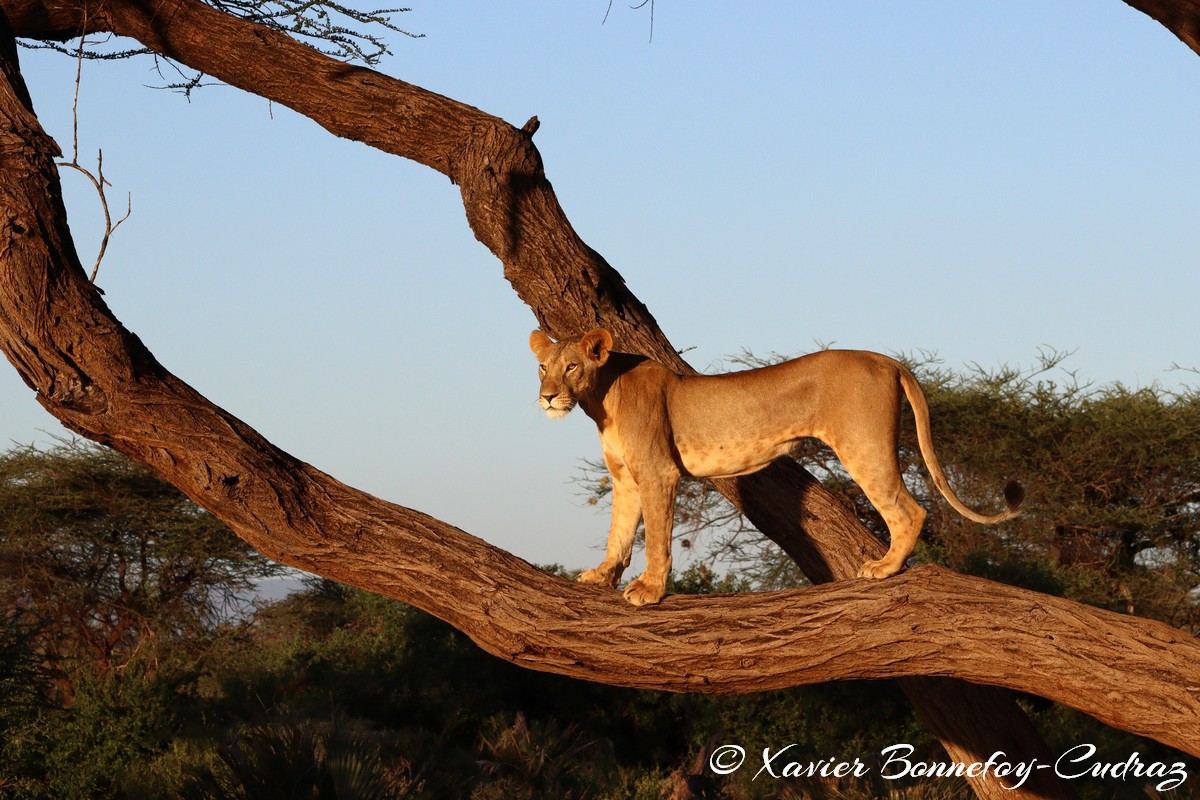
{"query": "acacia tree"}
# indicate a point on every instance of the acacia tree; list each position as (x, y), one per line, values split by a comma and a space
(109, 557)
(932, 628)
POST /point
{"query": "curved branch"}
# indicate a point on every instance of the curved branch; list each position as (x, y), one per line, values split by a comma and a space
(1180, 17)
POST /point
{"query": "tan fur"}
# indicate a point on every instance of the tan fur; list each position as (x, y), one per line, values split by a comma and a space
(656, 426)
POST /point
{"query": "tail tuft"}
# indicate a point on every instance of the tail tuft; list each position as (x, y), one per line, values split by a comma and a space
(1014, 495)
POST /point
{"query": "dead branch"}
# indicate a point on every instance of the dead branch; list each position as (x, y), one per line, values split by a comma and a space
(98, 181)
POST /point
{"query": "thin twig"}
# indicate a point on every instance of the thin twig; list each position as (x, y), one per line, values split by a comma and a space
(636, 7)
(97, 180)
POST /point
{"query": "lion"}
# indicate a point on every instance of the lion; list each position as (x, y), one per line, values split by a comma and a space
(657, 426)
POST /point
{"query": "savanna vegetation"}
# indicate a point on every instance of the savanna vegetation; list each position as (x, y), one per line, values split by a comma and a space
(136, 662)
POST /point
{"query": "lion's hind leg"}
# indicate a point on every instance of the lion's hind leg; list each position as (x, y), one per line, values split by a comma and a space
(904, 517)
(873, 466)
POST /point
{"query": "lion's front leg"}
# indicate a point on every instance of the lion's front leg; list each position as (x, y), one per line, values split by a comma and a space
(626, 514)
(658, 508)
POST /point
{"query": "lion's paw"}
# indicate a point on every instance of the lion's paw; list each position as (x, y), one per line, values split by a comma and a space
(877, 569)
(643, 593)
(599, 577)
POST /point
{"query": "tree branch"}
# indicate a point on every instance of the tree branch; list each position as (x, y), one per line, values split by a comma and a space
(98, 378)
(1180, 17)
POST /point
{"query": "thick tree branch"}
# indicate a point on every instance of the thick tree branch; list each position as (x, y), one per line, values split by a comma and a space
(1180, 17)
(100, 380)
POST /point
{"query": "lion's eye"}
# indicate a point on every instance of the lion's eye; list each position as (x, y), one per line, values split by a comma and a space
(571, 367)
(542, 368)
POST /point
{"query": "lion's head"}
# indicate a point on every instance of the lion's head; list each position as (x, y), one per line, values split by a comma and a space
(568, 368)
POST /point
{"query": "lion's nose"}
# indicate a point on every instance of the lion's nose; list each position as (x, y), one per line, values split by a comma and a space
(549, 398)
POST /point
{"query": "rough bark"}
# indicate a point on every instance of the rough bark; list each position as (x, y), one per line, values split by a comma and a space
(100, 381)
(1180, 17)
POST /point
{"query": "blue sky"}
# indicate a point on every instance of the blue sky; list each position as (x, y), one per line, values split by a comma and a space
(978, 180)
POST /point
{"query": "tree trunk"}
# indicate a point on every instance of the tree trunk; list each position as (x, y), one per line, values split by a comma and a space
(98, 378)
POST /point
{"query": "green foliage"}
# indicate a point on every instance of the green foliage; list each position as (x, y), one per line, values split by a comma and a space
(24, 713)
(288, 758)
(699, 578)
(522, 761)
(109, 556)
(22, 671)
(113, 585)
(82, 750)
(1113, 513)
(114, 718)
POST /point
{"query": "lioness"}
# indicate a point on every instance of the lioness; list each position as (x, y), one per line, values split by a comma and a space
(656, 426)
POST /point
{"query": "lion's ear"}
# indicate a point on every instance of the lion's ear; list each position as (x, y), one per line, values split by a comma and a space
(539, 343)
(597, 344)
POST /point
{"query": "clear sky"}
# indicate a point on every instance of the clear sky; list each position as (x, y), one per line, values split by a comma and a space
(978, 180)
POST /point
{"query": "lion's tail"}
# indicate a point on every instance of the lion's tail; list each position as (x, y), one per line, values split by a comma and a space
(1014, 493)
